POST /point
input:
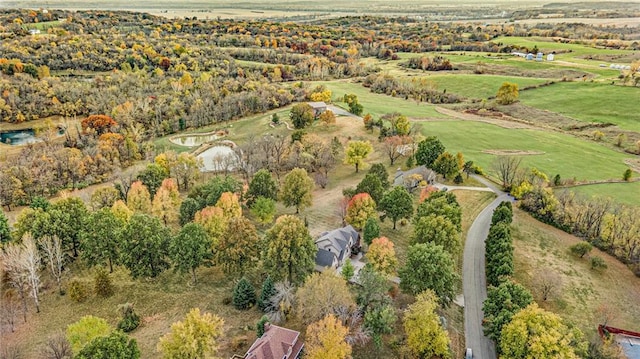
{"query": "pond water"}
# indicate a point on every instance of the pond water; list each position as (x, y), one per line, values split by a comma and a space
(218, 159)
(193, 140)
(19, 137)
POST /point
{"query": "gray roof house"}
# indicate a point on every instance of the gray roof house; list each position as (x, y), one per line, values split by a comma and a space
(318, 107)
(334, 247)
(411, 182)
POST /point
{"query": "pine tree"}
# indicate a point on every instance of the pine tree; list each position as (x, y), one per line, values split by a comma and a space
(268, 290)
(244, 295)
(371, 230)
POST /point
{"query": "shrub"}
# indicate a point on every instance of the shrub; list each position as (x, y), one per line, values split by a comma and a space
(627, 174)
(581, 249)
(260, 325)
(458, 179)
(598, 263)
(78, 291)
(103, 285)
(130, 319)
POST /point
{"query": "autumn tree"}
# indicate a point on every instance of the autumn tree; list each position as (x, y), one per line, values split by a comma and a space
(302, 115)
(190, 249)
(327, 339)
(85, 330)
(438, 230)
(289, 250)
(429, 266)
(443, 204)
(428, 151)
(145, 246)
(425, 336)
(152, 177)
(54, 257)
(104, 197)
(99, 124)
(262, 185)
(166, 203)
(446, 165)
(501, 304)
(139, 198)
(195, 337)
(239, 247)
(360, 208)
(323, 294)
(506, 168)
(230, 205)
(354, 105)
(264, 209)
(507, 93)
(12, 264)
(30, 263)
(397, 203)
(296, 189)
(536, 333)
(395, 147)
(184, 167)
(371, 230)
(213, 221)
(327, 117)
(382, 255)
(121, 211)
(357, 152)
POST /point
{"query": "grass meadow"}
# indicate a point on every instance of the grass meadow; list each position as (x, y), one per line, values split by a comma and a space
(561, 154)
(478, 86)
(542, 251)
(627, 193)
(590, 102)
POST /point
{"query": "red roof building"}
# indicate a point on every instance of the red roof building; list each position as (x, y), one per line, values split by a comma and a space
(276, 343)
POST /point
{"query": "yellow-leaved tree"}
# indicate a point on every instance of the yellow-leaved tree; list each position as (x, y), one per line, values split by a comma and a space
(382, 256)
(195, 337)
(535, 333)
(425, 336)
(326, 340)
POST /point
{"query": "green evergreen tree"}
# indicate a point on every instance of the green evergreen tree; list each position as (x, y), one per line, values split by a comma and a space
(371, 230)
(260, 325)
(244, 295)
(348, 270)
(5, 232)
(268, 291)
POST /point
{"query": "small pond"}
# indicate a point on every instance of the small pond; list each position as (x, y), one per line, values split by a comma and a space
(218, 159)
(21, 137)
(193, 140)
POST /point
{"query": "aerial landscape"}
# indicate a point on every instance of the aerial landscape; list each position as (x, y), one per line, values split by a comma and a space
(327, 180)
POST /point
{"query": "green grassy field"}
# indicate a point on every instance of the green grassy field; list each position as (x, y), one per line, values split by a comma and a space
(377, 104)
(591, 102)
(628, 193)
(563, 154)
(42, 25)
(546, 45)
(478, 86)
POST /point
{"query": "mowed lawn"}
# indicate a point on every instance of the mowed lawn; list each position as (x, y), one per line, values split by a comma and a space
(562, 154)
(547, 46)
(591, 102)
(379, 104)
(628, 193)
(478, 86)
(543, 251)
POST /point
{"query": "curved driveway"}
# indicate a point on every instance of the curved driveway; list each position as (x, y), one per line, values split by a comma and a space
(474, 282)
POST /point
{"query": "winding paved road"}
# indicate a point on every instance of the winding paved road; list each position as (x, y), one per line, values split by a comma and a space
(474, 282)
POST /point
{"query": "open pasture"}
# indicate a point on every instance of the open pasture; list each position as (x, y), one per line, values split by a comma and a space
(590, 102)
(477, 86)
(561, 154)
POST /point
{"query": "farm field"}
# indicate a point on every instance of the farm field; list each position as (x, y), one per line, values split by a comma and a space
(558, 153)
(478, 86)
(545, 45)
(379, 104)
(541, 250)
(628, 193)
(589, 102)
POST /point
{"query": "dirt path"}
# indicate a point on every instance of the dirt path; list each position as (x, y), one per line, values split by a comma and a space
(510, 122)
